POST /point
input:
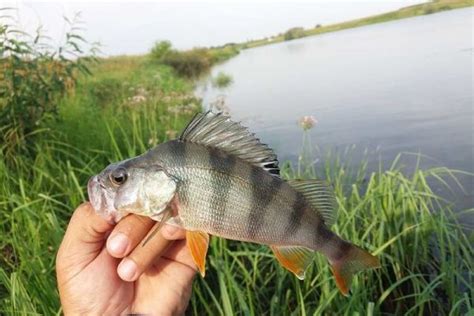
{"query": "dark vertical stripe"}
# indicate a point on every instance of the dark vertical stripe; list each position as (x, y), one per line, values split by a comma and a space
(323, 235)
(296, 217)
(264, 188)
(179, 150)
(176, 153)
(220, 185)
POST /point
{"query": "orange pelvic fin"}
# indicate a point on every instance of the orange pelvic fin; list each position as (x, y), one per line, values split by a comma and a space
(198, 242)
(294, 258)
(356, 260)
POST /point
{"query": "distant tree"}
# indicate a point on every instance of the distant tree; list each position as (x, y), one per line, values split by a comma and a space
(229, 44)
(293, 33)
(317, 26)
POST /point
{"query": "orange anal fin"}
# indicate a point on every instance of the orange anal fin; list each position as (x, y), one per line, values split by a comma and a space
(197, 243)
(356, 260)
(293, 258)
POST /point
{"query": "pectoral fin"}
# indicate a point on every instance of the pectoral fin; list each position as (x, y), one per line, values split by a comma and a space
(295, 259)
(165, 217)
(198, 242)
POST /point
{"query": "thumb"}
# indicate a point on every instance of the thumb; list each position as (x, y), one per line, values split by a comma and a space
(84, 239)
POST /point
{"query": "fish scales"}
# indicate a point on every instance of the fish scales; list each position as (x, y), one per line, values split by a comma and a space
(228, 197)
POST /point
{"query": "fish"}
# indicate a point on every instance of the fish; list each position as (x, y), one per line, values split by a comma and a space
(218, 179)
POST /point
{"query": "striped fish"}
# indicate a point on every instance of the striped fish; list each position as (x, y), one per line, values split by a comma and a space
(218, 179)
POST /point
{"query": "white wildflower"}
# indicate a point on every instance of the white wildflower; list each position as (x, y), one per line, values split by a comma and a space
(307, 122)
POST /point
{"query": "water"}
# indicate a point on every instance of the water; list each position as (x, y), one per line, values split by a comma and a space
(401, 86)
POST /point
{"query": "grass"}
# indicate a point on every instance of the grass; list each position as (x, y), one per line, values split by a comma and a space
(406, 12)
(129, 97)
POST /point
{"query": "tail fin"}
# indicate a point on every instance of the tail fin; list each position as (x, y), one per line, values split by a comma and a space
(355, 260)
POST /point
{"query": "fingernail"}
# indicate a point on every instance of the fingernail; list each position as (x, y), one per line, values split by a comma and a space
(117, 244)
(127, 270)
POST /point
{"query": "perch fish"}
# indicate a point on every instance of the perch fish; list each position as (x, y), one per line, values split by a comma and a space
(218, 179)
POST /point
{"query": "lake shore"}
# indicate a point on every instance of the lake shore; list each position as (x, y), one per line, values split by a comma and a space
(403, 13)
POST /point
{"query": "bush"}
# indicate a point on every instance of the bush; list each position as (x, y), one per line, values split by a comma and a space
(160, 49)
(294, 33)
(33, 80)
(191, 64)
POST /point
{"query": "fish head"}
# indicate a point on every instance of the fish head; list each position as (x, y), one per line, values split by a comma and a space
(129, 187)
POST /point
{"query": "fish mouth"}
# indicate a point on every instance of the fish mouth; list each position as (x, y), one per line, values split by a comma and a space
(102, 200)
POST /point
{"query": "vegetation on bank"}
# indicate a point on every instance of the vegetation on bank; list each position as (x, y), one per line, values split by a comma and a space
(191, 63)
(406, 12)
(125, 105)
(294, 33)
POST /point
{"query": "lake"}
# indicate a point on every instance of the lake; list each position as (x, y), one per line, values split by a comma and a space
(401, 86)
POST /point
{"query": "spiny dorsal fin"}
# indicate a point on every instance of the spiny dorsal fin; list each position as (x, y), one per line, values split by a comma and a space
(219, 131)
(319, 195)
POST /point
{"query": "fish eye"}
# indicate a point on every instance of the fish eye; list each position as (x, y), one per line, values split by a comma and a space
(118, 176)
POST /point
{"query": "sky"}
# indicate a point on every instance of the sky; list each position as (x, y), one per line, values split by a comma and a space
(131, 27)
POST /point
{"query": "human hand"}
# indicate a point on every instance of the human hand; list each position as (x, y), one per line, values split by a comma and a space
(102, 274)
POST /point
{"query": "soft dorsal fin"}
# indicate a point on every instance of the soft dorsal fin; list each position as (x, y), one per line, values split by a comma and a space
(219, 131)
(319, 195)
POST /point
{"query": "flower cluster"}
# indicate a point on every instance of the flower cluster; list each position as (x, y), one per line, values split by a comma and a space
(140, 96)
(307, 122)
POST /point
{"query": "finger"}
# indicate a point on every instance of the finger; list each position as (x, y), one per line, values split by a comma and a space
(84, 237)
(127, 234)
(172, 232)
(177, 252)
(85, 229)
(142, 257)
